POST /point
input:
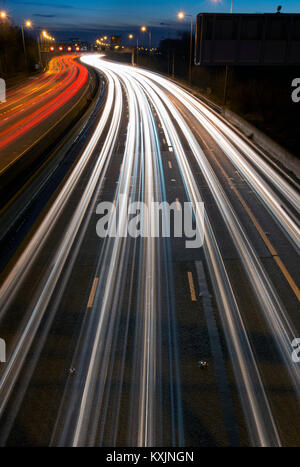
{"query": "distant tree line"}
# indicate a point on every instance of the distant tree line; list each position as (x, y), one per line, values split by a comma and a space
(262, 95)
(175, 55)
(12, 56)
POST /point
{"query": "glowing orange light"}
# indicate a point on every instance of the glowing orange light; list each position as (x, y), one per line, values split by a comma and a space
(52, 49)
(65, 92)
(69, 48)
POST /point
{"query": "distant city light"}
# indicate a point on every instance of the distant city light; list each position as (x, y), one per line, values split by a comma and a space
(46, 36)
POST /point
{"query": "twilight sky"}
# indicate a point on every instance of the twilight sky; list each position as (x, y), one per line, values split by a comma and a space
(89, 19)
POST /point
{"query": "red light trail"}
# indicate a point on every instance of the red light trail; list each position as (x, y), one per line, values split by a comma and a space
(65, 77)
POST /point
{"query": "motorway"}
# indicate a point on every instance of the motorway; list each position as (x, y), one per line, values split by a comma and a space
(105, 335)
(36, 105)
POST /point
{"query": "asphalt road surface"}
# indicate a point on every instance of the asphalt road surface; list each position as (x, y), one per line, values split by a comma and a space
(31, 109)
(105, 336)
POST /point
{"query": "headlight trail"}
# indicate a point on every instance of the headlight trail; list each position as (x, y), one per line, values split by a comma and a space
(14, 279)
(223, 135)
(138, 341)
(275, 313)
(142, 155)
(256, 404)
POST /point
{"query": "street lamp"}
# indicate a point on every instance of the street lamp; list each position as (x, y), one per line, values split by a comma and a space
(27, 24)
(3, 17)
(144, 29)
(182, 15)
(131, 36)
(46, 36)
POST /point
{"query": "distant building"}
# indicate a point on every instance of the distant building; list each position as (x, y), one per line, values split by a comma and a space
(247, 39)
(116, 40)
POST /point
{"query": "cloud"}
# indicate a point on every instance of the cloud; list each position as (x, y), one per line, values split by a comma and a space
(43, 16)
(48, 5)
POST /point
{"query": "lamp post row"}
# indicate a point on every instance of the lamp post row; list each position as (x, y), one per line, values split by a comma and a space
(131, 36)
(181, 15)
(28, 25)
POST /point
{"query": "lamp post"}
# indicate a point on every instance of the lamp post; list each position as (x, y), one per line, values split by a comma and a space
(3, 66)
(46, 39)
(144, 29)
(131, 36)
(182, 15)
(39, 50)
(27, 24)
(231, 8)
